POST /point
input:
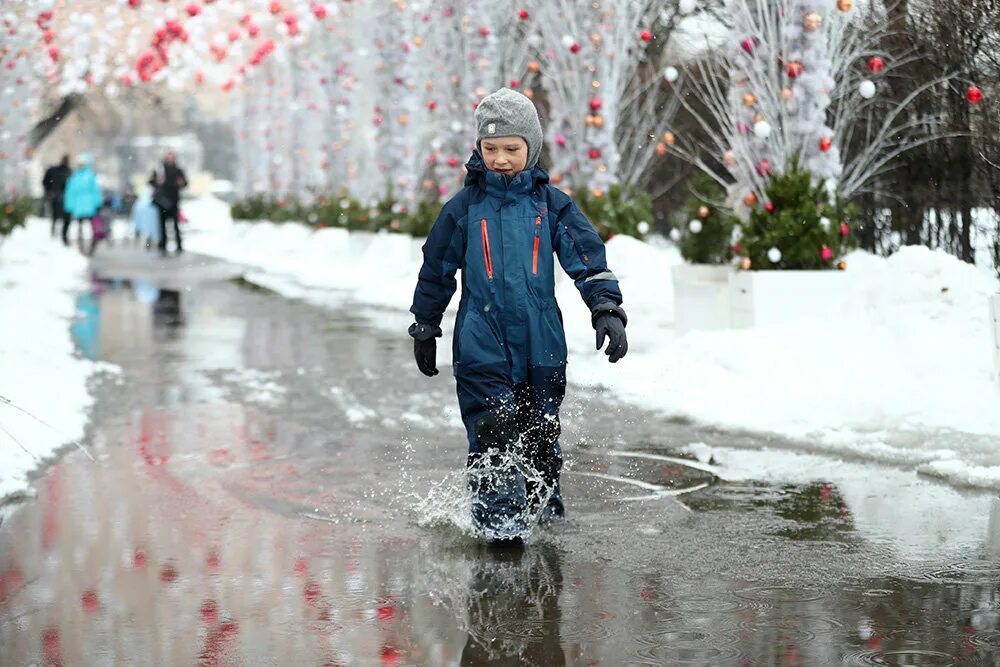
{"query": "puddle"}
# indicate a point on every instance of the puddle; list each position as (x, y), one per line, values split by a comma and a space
(256, 493)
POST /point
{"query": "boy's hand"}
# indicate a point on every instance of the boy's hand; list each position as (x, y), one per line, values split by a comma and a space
(425, 347)
(609, 322)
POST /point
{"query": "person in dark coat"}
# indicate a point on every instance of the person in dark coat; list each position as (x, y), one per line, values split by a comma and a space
(168, 180)
(54, 183)
(503, 230)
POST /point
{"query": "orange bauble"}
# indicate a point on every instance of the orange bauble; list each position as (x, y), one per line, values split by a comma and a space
(750, 199)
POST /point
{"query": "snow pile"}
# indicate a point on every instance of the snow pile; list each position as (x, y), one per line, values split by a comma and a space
(39, 371)
(901, 372)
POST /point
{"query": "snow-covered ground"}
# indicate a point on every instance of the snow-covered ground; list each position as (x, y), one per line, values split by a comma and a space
(901, 373)
(40, 371)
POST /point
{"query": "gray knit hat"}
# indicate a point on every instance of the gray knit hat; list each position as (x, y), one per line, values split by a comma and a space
(508, 113)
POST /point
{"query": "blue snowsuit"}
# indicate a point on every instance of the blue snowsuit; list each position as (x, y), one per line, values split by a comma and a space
(509, 347)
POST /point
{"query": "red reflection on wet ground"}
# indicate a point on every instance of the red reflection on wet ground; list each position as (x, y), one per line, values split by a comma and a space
(390, 655)
(89, 601)
(219, 641)
(51, 648)
(50, 511)
(209, 612)
(168, 574)
(386, 612)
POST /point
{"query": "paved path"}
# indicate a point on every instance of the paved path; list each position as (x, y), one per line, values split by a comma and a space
(276, 485)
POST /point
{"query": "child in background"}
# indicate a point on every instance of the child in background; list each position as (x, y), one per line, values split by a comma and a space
(146, 219)
(503, 230)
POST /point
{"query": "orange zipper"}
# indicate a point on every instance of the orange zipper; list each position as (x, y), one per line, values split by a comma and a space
(534, 254)
(486, 250)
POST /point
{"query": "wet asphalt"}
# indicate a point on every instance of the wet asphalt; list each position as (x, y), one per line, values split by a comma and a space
(277, 485)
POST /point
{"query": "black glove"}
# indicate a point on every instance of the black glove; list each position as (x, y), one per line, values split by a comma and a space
(425, 347)
(609, 321)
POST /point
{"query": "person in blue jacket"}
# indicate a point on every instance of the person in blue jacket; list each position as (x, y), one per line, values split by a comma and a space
(84, 198)
(503, 230)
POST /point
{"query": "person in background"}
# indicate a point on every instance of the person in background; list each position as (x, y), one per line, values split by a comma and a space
(168, 180)
(54, 183)
(84, 199)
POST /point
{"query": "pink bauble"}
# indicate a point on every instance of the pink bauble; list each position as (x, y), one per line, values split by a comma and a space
(561, 140)
(826, 253)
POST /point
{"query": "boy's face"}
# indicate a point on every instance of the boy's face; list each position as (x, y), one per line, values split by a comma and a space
(505, 155)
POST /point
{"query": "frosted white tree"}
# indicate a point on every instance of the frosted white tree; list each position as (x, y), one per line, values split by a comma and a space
(785, 87)
(20, 86)
(589, 53)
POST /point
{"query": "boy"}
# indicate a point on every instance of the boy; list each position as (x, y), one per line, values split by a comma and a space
(502, 229)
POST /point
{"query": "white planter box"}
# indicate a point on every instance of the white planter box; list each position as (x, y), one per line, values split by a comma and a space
(701, 297)
(761, 298)
(995, 326)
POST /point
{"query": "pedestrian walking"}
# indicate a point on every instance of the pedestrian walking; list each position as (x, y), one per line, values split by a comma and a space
(54, 183)
(503, 230)
(168, 180)
(84, 200)
(146, 220)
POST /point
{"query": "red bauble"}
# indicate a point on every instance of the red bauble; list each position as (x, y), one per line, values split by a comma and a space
(764, 168)
(54, 53)
(319, 11)
(432, 105)
(974, 94)
(275, 7)
(595, 104)
(514, 83)
(737, 248)
(844, 229)
(794, 69)
(594, 154)
(769, 207)
(876, 65)
(484, 31)
(575, 48)
(522, 14)
(193, 10)
(825, 144)
(645, 35)
(826, 253)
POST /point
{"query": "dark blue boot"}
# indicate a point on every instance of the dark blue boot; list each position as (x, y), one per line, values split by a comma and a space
(497, 485)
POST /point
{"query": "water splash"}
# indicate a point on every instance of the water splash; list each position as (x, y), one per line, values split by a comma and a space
(450, 502)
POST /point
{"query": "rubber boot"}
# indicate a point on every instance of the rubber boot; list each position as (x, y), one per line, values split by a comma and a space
(498, 494)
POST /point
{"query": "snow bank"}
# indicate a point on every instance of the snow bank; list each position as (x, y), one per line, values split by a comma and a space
(900, 373)
(39, 370)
